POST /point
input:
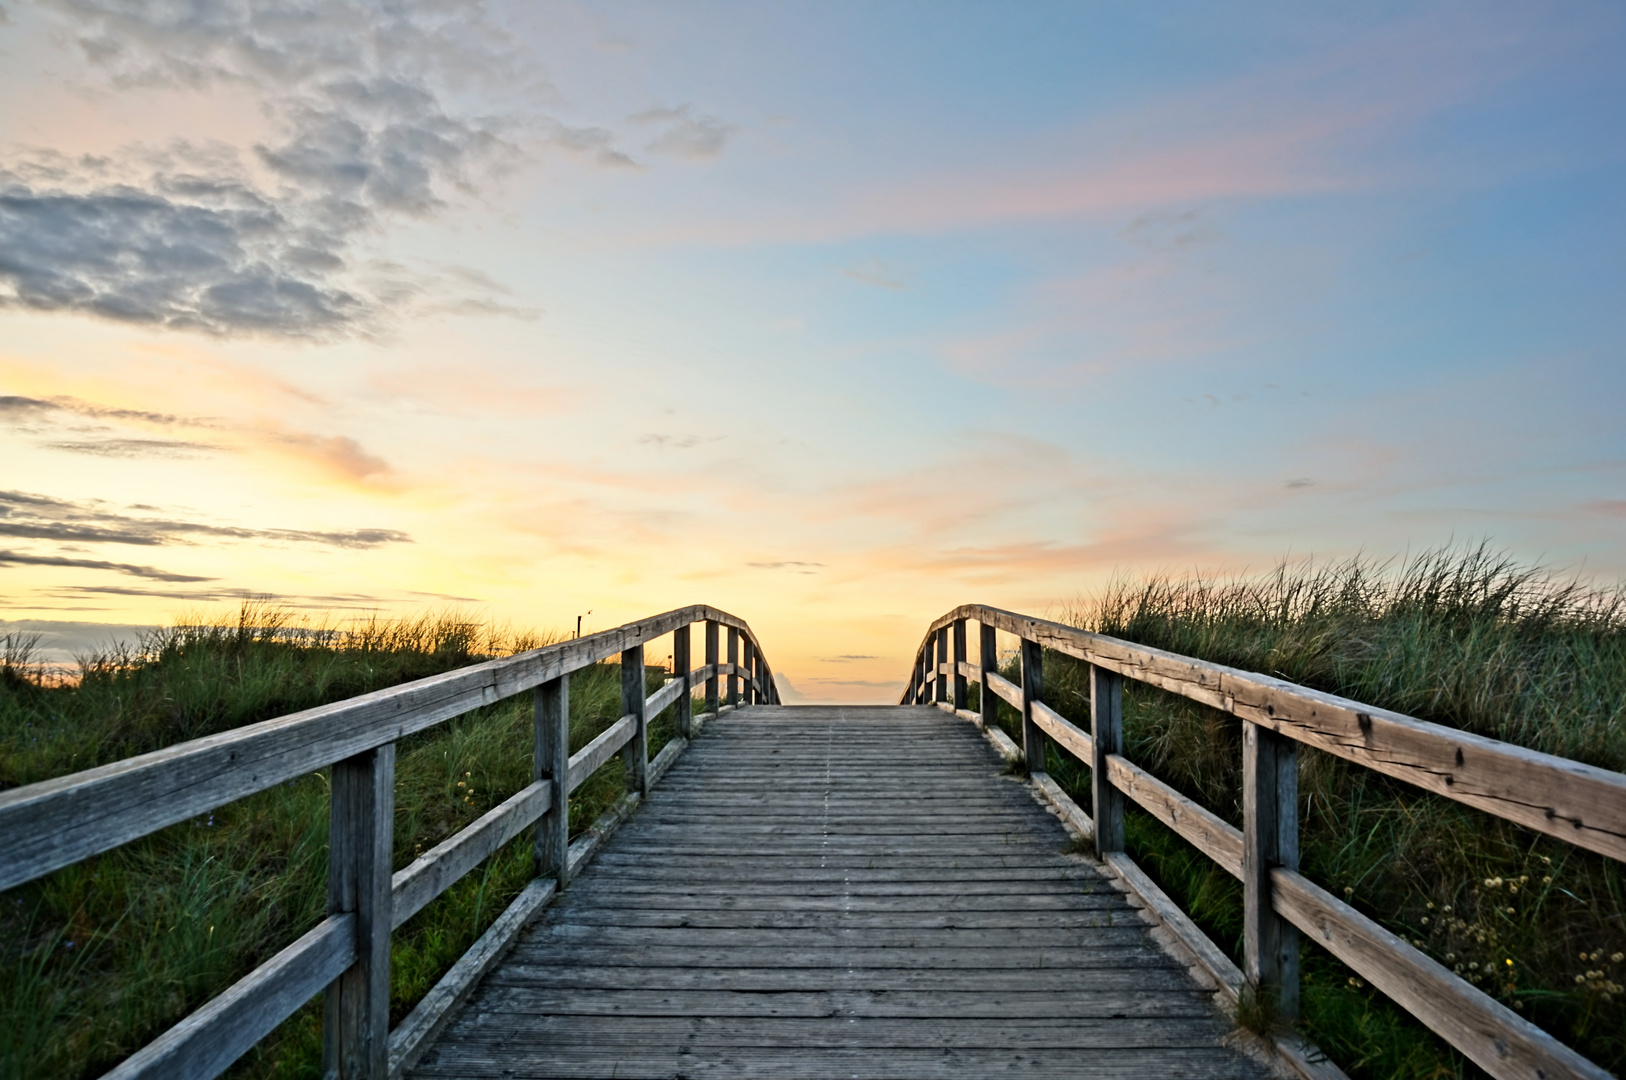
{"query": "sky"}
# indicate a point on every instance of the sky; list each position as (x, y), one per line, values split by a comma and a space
(834, 316)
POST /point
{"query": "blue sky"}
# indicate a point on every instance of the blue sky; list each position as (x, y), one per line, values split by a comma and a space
(834, 315)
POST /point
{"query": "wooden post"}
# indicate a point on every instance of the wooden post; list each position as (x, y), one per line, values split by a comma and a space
(1033, 740)
(919, 695)
(1270, 838)
(958, 657)
(1107, 731)
(988, 660)
(733, 658)
(680, 666)
(711, 662)
(552, 762)
(940, 690)
(361, 824)
(636, 754)
(750, 689)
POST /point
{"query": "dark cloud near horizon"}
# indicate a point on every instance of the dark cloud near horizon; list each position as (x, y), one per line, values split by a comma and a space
(41, 517)
(151, 573)
(191, 241)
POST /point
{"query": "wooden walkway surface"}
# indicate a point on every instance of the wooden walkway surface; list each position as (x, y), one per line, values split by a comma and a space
(838, 892)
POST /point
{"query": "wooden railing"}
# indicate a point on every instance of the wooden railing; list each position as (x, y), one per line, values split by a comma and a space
(49, 825)
(1578, 803)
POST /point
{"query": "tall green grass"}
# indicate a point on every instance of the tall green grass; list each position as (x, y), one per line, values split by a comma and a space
(100, 957)
(1466, 638)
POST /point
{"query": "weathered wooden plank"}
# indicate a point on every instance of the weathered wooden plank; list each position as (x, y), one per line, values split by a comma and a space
(1033, 740)
(433, 872)
(681, 641)
(1580, 803)
(1270, 841)
(361, 823)
(1078, 822)
(1107, 737)
(1006, 689)
(712, 670)
(1074, 740)
(586, 761)
(56, 822)
(733, 666)
(551, 762)
(1207, 831)
(959, 664)
(636, 751)
(672, 690)
(1492, 1036)
(220, 1032)
(426, 1019)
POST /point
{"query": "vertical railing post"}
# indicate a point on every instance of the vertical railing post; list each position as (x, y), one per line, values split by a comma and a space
(1270, 838)
(759, 673)
(360, 842)
(733, 658)
(941, 690)
(988, 661)
(958, 657)
(680, 668)
(711, 663)
(1033, 740)
(552, 762)
(1107, 733)
(750, 690)
(636, 754)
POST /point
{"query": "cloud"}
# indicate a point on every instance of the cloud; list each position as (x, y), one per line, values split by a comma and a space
(788, 564)
(847, 657)
(197, 243)
(338, 453)
(677, 442)
(15, 406)
(129, 448)
(41, 517)
(16, 558)
(873, 271)
(1606, 507)
(686, 135)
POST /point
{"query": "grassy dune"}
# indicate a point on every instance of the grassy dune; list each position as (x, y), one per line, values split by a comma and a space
(1462, 638)
(102, 956)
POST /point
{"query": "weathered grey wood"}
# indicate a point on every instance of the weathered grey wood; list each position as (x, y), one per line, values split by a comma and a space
(1579, 803)
(429, 1016)
(1207, 831)
(987, 665)
(1494, 1037)
(682, 937)
(1033, 740)
(636, 752)
(1107, 731)
(220, 1032)
(712, 659)
(56, 822)
(959, 655)
(748, 691)
(585, 846)
(663, 760)
(1076, 819)
(587, 761)
(1004, 688)
(437, 869)
(551, 762)
(670, 691)
(681, 640)
(1073, 739)
(1270, 840)
(733, 666)
(361, 823)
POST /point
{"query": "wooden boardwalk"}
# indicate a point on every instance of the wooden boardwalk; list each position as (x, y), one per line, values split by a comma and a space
(838, 892)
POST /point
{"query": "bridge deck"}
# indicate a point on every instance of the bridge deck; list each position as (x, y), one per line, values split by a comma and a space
(845, 892)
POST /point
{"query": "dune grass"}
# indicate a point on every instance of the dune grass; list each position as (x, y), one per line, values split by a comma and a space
(100, 957)
(1464, 638)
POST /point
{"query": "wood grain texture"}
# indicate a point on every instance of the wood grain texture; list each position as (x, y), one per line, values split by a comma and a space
(437, 869)
(56, 822)
(220, 1032)
(1004, 688)
(1073, 739)
(586, 761)
(1494, 1037)
(551, 762)
(1270, 841)
(749, 921)
(1579, 803)
(1107, 738)
(361, 824)
(1207, 831)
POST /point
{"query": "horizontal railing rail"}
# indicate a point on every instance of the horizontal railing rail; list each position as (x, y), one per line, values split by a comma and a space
(55, 823)
(1574, 802)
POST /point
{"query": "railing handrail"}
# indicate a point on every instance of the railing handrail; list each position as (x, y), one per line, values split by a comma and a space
(57, 822)
(1578, 803)
(53, 823)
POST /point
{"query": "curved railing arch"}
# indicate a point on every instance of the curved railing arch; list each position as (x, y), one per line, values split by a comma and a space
(1574, 802)
(57, 822)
